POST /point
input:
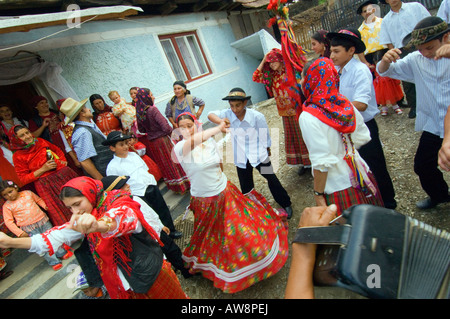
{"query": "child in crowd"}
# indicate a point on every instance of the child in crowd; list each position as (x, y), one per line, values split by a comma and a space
(140, 149)
(387, 91)
(170, 248)
(356, 84)
(142, 183)
(25, 218)
(431, 77)
(250, 124)
(126, 112)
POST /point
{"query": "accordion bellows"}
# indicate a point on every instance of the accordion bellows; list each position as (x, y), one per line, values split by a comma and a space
(380, 253)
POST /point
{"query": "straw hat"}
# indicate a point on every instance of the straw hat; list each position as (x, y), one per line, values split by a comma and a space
(71, 108)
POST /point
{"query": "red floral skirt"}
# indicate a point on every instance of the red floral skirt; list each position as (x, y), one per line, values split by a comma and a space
(48, 188)
(238, 239)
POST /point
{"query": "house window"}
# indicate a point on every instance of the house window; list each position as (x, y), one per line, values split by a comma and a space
(185, 55)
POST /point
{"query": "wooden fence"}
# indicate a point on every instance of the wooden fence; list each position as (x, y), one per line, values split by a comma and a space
(343, 16)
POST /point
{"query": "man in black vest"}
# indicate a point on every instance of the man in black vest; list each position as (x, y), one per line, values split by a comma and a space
(87, 139)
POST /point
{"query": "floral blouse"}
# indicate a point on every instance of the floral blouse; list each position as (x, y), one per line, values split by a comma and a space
(285, 105)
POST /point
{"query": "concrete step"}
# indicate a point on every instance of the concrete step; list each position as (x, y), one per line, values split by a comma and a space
(33, 278)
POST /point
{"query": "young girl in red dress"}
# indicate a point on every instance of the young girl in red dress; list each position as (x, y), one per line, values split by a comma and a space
(387, 91)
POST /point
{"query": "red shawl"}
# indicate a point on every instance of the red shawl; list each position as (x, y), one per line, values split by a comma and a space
(110, 251)
(323, 100)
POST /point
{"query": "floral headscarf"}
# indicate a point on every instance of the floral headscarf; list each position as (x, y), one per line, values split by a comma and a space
(143, 102)
(109, 252)
(16, 143)
(275, 55)
(323, 100)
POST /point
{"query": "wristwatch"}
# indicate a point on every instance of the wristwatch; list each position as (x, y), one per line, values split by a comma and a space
(318, 194)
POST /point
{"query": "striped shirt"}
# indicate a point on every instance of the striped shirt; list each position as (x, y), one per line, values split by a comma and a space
(397, 25)
(82, 141)
(432, 79)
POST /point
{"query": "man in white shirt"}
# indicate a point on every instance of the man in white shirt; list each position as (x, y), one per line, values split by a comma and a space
(444, 11)
(141, 182)
(400, 21)
(357, 85)
(432, 80)
(251, 144)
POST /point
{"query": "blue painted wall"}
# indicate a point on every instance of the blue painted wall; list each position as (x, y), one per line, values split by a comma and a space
(99, 66)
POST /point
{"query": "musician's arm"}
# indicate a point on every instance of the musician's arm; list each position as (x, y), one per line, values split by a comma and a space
(300, 281)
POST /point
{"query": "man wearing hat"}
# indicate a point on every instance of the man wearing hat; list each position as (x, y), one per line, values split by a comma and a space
(397, 23)
(432, 81)
(369, 30)
(87, 138)
(356, 83)
(251, 145)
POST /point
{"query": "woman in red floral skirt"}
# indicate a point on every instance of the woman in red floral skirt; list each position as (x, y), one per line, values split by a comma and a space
(238, 239)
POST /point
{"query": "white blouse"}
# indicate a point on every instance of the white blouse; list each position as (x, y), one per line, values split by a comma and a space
(326, 149)
(202, 166)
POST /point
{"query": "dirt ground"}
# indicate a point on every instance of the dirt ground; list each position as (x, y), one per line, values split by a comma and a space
(400, 142)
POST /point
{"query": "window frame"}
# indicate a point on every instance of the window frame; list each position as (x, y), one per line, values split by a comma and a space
(172, 38)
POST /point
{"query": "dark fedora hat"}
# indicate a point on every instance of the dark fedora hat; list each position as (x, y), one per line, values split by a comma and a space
(237, 94)
(365, 3)
(114, 137)
(427, 29)
(350, 34)
(114, 182)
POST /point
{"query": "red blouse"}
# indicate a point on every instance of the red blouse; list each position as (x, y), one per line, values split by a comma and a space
(107, 122)
(27, 161)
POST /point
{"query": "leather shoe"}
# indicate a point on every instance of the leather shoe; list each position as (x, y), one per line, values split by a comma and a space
(428, 203)
(176, 234)
(288, 212)
(412, 114)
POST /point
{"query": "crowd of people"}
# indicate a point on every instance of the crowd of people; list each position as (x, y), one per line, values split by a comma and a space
(77, 175)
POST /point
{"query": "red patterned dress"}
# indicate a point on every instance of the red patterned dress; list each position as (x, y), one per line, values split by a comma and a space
(296, 151)
(238, 239)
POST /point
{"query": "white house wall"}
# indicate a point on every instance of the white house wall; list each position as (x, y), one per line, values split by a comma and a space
(115, 55)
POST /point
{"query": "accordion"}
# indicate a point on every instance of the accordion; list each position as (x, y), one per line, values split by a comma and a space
(380, 253)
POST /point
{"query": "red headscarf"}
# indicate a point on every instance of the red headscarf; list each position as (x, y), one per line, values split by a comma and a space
(323, 100)
(275, 55)
(16, 143)
(110, 251)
